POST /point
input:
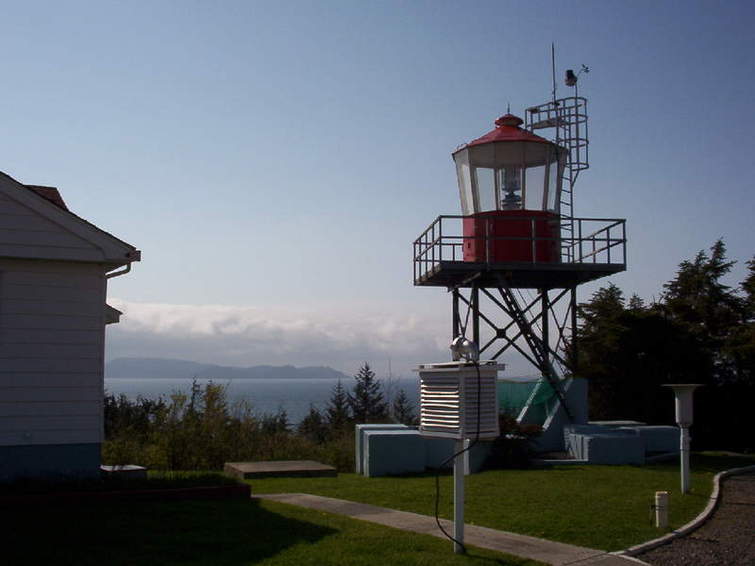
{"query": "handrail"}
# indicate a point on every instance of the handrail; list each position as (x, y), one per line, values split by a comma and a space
(604, 229)
(438, 243)
(596, 252)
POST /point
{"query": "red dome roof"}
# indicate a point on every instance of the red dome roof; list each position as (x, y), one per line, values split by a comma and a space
(508, 130)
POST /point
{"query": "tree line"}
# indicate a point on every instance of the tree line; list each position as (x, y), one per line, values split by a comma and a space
(700, 330)
(201, 429)
(365, 403)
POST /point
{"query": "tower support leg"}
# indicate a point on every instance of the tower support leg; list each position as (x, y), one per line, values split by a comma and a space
(544, 340)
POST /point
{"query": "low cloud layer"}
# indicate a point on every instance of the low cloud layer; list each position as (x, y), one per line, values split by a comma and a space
(245, 336)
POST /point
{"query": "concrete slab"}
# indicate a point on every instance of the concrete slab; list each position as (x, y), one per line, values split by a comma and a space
(129, 471)
(550, 552)
(279, 469)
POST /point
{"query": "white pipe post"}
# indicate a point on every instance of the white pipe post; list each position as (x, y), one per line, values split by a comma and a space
(459, 499)
(467, 464)
(684, 418)
(684, 444)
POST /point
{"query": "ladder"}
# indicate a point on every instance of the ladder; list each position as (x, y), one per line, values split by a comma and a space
(568, 118)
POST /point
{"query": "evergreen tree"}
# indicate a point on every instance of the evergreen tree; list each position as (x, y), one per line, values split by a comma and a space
(720, 319)
(627, 353)
(402, 410)
(275, 423)
(636, 304)
(748, 287)
(709, 310)
(702, 331)
(337, 412)
(366, 401)
(600, 330)
(606, 304)
(284, 425)
(739, 350)
(313, 426)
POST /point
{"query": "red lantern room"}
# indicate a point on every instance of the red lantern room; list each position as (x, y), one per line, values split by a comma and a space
(510, 189)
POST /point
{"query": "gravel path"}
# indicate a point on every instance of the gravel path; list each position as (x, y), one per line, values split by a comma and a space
(727, 539)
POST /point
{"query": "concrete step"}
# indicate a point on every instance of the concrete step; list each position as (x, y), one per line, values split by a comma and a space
(279, 469)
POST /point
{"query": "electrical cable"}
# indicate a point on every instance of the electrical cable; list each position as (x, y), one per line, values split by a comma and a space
(456, 455)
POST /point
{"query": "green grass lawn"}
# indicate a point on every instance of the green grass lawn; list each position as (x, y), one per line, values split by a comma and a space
(223, 532)
(603, 507)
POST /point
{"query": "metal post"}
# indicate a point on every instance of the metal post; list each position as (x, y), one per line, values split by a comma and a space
(684, 443)
(467, 462)
(574, 349)
(545, 309)
(476, 315)
(459, 499)
(456, 323)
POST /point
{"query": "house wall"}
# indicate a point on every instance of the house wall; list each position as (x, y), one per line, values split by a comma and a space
(51, 367)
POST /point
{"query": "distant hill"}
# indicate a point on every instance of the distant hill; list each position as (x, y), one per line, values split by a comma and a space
(160, 367)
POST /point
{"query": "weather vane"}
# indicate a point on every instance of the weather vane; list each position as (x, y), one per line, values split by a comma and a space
(571, 78)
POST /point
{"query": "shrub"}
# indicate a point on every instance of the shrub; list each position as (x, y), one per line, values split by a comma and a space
(513, 447)
(202, 431)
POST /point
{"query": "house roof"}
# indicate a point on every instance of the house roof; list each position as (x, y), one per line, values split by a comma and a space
(112, 315)
(48, 202)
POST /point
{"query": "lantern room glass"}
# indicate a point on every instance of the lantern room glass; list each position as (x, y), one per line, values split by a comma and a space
(509, 176)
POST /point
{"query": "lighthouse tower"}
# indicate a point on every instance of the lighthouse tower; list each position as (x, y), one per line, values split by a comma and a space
(514, 257)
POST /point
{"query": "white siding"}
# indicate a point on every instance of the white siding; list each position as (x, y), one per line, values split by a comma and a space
(51, 352)
(24, 233)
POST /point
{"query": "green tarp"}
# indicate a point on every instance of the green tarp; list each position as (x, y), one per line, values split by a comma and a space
(513, 395)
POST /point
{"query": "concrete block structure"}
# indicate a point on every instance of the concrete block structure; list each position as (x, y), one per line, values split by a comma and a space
(393, 452)
(657, 439)
(360, 430)
(606, 444)
(393, 449)
(613, 449)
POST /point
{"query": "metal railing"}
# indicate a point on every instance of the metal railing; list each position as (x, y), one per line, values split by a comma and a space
(594, 240)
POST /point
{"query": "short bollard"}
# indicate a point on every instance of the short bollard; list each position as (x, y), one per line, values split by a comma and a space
(661, 509)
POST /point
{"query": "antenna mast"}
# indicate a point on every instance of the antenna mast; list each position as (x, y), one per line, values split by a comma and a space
(553, 70)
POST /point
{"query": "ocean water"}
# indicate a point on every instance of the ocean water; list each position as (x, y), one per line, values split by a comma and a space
(266, 395)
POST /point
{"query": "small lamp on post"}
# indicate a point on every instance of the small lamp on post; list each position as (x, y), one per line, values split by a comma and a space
(683, 405)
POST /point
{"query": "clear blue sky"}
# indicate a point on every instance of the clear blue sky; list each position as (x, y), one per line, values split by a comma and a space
(275, 160)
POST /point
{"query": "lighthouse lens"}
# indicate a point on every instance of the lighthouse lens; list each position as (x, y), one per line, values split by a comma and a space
(511, 183)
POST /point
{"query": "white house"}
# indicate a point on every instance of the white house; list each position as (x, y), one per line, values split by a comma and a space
(54, 268)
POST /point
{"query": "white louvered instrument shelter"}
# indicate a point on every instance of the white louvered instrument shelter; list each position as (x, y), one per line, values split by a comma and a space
(449, 403)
